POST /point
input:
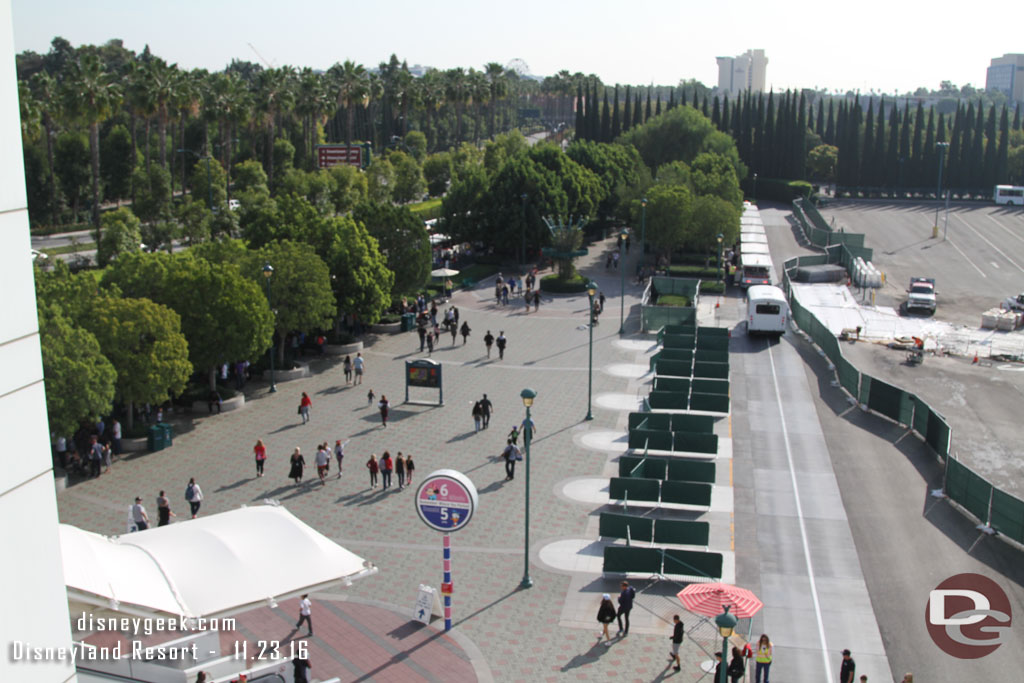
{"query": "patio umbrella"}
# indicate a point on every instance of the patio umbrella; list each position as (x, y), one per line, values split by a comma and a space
(710, 599)
(444, 272)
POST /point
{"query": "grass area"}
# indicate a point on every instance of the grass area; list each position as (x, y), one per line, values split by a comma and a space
(673, 300)
(695, 271)
(428, 209)
(59, 228)
(713, 287)
(552, 283)
(69, 248)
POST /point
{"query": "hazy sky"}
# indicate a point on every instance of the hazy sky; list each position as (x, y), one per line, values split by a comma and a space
(866, 45)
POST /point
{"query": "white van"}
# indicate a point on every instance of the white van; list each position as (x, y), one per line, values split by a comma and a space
(767, 310)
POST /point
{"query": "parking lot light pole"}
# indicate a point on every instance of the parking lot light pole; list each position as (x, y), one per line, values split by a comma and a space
(721, 272)
(643, 229)
(268, 271)
(940, 148)
(726, 623)
(591, 291)
(623, 236)
(527, 395)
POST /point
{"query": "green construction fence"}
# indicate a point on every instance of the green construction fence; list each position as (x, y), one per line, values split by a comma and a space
(620, 559)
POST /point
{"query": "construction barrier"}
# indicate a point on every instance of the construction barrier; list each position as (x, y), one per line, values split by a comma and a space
(619, 559)
(645, 529)
(637, 490)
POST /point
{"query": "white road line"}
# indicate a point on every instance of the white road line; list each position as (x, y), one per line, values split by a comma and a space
(953, 244)
(1008, 231)
(986, 241)
(800, 518)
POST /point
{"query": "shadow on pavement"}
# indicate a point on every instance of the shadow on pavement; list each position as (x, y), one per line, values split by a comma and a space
(228, 487)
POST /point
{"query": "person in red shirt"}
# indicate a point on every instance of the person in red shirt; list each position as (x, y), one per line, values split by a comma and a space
(304, 405)
(260, 451)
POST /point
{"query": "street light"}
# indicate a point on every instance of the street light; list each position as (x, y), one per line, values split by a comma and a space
(527, 395)
(941, 148)
(720, 271)
(622, 284)
(755, 188)
(522, 231)
(643, 229)
(209, 179)
(591, 291)
(725, 623)
(268, 271)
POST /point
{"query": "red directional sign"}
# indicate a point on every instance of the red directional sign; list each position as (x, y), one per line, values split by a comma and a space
(332, 155)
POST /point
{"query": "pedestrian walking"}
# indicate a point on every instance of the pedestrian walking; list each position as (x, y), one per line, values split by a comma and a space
(627, 244)
(501, 341)
(163, 510)
(194, 496)
(486, 408)
(260, 453)
(410, 466)
(626, 596)
(615, 259)
(305, 403)
(369, 397)
(608, 262)
(536, 301)
(323, 462)
(430, 343)
(478, 416)
(339, 453)
(358, 365)
(139, 516)
(737, 667)
(305, 613)
(464, 332)
(347, 366)
(605, 615)
(847, 669)
(374, 468)
(298, 463)
(718, 667)
(513, 436)
(384, 408)
(504, 295)
(454, 329)
(400, 470)
(511, 455)
(763, 658)
(601, 300)
(421, 330)
(115, 437)
(300, 668)
(497, 293)
(488, 340)
(907, 678)
(95, 457)
(677, 640)
(106, 457)
(386, 467)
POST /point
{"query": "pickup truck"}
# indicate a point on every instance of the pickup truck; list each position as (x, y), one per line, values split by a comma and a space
(920, 295)
(1014, 303)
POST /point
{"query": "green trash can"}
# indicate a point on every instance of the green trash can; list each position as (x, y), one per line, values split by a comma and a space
(155, 440)
(168, 433)
(408, 322)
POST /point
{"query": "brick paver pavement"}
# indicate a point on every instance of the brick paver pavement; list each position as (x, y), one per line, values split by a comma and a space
(516, 630)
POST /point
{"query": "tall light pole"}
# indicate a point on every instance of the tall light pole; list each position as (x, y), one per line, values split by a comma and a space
(755, 188)
(591, 291)
(643, 229)
(527, 395)
(720, 269)
(622, 284)
(725, 623)
(940, 148)
(522, 231)
(268, 271)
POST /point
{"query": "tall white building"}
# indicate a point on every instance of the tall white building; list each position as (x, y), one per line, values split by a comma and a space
(32, 590)
(1006, 74)
(745, 71)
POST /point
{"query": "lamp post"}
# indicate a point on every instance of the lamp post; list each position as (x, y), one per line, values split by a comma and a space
(755, 188)
(720, 270)
(522, 231)
(591, 291)
(941, 148)
(268, 271)
(622, 284)
(527, 395)
(209, 180)
(725, 623)
(643, 229)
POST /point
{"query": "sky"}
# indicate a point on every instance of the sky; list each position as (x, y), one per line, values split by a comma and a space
(869, 45)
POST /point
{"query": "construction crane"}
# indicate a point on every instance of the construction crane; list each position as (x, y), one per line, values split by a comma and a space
(253, 48)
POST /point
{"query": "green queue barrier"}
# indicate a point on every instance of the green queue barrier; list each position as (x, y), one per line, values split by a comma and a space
(693, 563)
(711, 355)
(620, 559)
(708, 370)
(713, 332)
(679, 341)
(668, 383)
(640, 467)
(1007, 515)
(656, 421)
(681, 532)
(668, 400)
(968, 489)
(710, 386)
(614, 525)
(695, 442)
(700, 424)
(691, 470)
(712, 343)
(634, 490)
(650, 439)
(712, 403)
(674, 368)
(686, 493)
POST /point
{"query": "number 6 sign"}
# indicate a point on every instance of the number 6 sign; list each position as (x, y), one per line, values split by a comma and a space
(445, 501)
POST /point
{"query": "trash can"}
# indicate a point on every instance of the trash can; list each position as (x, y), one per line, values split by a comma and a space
(168, 434)
(155, 440)
(408, 322)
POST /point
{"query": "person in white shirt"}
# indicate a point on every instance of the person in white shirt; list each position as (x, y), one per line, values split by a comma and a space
(323, 459)
(358, 365)
(194, 496)
(305, 613)
(339, 453)
(139, 515)
(115, 437)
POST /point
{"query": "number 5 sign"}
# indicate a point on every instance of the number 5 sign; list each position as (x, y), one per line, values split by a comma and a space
(445, 501)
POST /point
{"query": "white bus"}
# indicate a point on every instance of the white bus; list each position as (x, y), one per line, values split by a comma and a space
(767, 311)
(754, 269)
(1009, 194)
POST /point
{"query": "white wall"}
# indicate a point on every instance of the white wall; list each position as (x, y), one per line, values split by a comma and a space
(32, 593)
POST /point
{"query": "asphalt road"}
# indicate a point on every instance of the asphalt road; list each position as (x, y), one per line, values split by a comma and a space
(977, 260)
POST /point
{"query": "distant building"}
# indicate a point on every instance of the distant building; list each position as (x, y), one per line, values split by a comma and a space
(1006, 74)
(736, 74)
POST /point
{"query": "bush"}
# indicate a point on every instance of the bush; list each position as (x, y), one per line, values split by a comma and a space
(426, 210)
(201, 392)
(389, 319)
(553, 284)
(673, 300)
(693, 271)
(777, 189)
(712, 287)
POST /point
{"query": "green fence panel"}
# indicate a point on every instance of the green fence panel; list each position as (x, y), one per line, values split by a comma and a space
(656, 317)
(801, 316)
(656, 421)
(865, 387)
(713, 343)
(712, 403)
(634, 490)
(711, 355)
(967, 489)
(639, 467)
(1007, 516)
(701, 424)
(693, 563)
(712, 332)
(679, 341)
(694, 442)
(849, 376)
(938, 433)
(685, 493)
(710, 386)
(681, 532)
(650, 438)
(679, 329)
(884, 398)
(652, 363)
(655, 468)
(906, 409)
(921, 412)
(628, 465)
(710, 370)
(669, 400)
(691, 470)
(620, 559)
(675, 368)
(667, 383)
(614, 525)
(683, 355)
(790, 264)
(830, 345)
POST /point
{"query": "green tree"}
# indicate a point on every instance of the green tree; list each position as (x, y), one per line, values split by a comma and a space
(79, 379)
(617, 167)
(249, 177)
(144, 343)
(152, 193)
(210, 191)
(713, 216)
(361, 277)
(380, 180)
(822, 162)
(72, 159)
(348, 187)
(714, 174)
(680, 135)
(195, 220)
(120, 235)
(409, 184)
(437, 171)
(669, 208)
(402, 238)
(116, 163)
(416, 144)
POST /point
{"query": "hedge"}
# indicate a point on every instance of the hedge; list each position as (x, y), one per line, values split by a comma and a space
(552, 283)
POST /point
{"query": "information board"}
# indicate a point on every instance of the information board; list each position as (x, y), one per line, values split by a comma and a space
(446, 500)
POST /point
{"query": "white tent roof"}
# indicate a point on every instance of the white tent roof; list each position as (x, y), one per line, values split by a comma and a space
(210, 567)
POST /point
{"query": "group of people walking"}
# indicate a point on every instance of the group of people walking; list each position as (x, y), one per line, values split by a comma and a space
(140, 517)
(297, 461)
(401, 465)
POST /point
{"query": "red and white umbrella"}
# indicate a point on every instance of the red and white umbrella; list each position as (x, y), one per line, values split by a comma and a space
(710, 599)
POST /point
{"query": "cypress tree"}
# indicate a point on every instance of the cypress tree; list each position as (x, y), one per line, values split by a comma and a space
(953, 154)
(820, 127)
(966, 145)
(800, 141)
(830, 130)
(914, 177)
(878, 154)
(657, 106)
(638, 111)
(695, 102)
(904, 144)
(1003, 153)
(892, 154)
(671, 99)
(627, 113)
(581, 122)
(853, 120)
(976, 178)
(726, 123)
(606, 120)
(716, 114)
(867, 169)
(928, 152)
(647, 111)
(780, 140)
(616, 123)
(594, 114)
(1016, 118)
(940, 129)
(743, 128)
(704, 108)
(768, 138)
(991, 142)
(757, 134)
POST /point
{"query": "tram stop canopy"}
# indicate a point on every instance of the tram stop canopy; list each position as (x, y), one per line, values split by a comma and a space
(211, 567)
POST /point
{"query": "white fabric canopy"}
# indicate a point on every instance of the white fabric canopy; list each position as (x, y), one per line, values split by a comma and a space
(209, 567)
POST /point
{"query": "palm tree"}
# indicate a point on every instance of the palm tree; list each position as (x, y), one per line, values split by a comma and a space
(91, 96)
(45, 93)
(495, 73)
(308, 96)
(430, 94)
(141, 105)
(229, 99)
(163, 81)
(478, 90)
(455, 92)
(186, 100)
(274, 96)
(351, 84)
